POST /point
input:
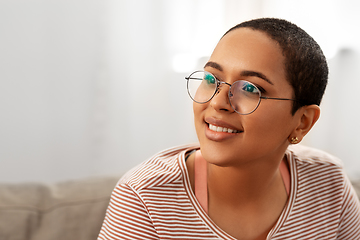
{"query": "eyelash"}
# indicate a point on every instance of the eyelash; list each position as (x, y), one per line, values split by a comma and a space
(262, 90)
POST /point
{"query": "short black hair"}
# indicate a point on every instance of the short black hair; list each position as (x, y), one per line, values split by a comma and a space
(305, 64)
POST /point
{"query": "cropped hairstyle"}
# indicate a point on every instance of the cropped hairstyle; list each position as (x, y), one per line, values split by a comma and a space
(305, 64)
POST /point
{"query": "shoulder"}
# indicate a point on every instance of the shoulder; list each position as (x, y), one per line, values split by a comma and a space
(311, 156)
(321, 195)
(316, 170)
(162, 168)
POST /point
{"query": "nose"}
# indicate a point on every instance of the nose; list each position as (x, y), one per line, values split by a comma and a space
(221, 102)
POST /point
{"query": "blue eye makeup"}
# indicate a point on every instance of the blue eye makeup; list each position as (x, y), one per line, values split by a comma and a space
(250, 88)
(210, 79)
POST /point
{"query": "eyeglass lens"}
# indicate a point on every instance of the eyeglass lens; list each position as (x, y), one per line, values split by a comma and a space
(244, 96)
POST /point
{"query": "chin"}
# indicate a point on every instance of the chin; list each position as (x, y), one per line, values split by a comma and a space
(215, 155)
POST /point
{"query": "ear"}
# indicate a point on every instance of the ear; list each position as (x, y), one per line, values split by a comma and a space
(307, 117)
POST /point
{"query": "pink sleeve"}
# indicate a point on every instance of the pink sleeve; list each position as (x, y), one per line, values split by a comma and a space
(126, 217)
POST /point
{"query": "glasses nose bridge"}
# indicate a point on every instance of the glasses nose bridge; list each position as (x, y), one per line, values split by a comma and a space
(219, 88)
(221, 83)
(224, 101)
(226, 83)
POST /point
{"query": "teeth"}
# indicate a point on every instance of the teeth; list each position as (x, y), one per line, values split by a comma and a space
(222, 129)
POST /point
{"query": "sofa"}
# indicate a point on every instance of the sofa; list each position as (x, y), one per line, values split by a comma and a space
(71, 210)
(66, 210)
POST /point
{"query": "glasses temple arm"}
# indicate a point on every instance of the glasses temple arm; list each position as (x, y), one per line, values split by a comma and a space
(278, 98)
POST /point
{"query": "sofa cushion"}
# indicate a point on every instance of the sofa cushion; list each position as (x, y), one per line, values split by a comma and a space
(67, 210)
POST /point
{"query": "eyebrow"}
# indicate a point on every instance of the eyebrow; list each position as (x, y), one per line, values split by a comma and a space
(245, 73)
(214, 65)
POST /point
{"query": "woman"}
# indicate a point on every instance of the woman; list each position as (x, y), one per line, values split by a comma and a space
(258, 94)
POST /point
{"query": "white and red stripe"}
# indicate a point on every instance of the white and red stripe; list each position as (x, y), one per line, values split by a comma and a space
(155, 201)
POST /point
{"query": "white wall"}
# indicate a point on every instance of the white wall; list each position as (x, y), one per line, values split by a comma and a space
(89, 88)
(50, 57)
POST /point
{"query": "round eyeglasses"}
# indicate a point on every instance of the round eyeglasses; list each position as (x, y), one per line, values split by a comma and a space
(244, 96)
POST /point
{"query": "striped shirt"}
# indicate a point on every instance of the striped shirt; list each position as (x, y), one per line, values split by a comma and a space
(155, 201)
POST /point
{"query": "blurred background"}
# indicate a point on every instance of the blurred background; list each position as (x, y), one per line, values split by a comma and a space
(94, 87)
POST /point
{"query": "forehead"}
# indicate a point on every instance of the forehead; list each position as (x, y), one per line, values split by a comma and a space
(250, 50)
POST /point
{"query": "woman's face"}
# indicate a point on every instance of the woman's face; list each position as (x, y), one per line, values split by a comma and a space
(246, 54)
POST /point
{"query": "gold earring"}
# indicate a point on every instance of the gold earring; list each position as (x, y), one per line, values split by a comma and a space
(294, 140)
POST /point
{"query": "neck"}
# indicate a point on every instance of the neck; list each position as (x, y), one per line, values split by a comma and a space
(248, 183)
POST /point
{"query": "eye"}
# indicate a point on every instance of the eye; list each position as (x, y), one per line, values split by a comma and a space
(250, 88)
(209, 78)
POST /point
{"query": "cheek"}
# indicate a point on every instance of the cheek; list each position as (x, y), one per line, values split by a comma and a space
(198, 110)
(271, 122)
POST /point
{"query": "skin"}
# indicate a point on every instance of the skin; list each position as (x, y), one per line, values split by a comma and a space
(248, 161)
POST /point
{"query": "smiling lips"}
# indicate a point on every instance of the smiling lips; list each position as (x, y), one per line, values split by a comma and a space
(222, 129)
